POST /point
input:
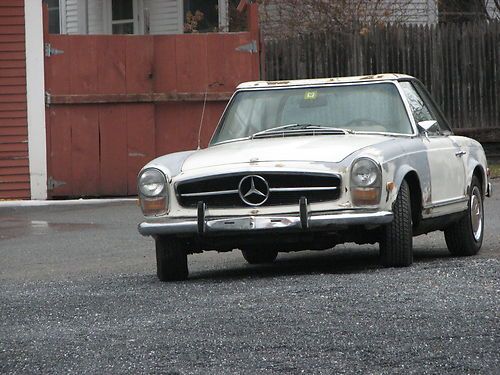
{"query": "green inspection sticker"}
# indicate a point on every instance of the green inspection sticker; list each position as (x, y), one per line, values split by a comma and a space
(310, 95)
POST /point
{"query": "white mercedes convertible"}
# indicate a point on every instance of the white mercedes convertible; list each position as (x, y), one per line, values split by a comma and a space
(309, 164)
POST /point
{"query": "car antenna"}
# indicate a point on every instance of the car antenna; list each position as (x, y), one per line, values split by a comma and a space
(213, 84)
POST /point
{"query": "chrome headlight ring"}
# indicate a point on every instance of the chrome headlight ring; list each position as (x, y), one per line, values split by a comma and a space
(152, 183)
(365, 172)
(366, 181)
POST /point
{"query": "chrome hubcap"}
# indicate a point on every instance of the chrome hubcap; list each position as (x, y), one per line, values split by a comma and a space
(476, 213)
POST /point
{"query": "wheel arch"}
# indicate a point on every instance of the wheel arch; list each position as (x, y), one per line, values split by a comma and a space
(410, 175)
(480, 173)
(476, 164)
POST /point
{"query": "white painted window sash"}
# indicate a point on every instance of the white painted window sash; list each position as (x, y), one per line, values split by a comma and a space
(137, 20)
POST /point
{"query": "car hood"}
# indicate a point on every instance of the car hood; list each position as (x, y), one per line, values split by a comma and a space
(324, 148)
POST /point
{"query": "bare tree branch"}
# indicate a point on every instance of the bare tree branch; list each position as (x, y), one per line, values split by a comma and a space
(297, 17)
(497, 3)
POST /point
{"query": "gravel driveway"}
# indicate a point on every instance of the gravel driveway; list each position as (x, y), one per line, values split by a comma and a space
(78, 294)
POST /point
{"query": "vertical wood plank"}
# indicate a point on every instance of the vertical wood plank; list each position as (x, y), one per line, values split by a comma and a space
(140, 133)
(113, 150)
(59, 153)
(165, 71)
(176, 127)
(191, 62)
(216, 67)
(57, 72)
(111, 64)
(83, 66)
(85, 153)
(139, 63)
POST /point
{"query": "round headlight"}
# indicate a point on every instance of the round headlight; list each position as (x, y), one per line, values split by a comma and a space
(151, 183)
(364, 173)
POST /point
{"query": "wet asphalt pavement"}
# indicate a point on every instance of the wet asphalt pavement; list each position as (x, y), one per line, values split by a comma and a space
(78, 294)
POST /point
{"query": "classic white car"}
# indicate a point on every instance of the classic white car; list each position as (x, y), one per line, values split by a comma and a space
(309, 164)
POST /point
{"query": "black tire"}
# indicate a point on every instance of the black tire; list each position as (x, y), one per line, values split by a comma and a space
(396, 244)
(171, 259)
(253, 256)
(465, 237)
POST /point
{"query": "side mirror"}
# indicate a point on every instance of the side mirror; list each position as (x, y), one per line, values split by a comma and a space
(428, 126)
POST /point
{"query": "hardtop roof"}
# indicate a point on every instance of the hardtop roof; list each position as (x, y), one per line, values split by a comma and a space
(324, 81)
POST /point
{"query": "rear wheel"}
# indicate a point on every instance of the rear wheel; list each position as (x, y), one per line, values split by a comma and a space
(396, 244)
(465, 237)
(171, 259)
(254, 256)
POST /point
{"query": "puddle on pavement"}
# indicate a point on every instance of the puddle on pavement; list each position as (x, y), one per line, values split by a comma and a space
(15, 227)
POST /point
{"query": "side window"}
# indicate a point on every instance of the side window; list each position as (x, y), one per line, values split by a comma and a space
(420, 110)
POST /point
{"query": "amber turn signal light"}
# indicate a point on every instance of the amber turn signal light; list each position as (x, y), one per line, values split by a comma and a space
(365, 196)
(154, 206)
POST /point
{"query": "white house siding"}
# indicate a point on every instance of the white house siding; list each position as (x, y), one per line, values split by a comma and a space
(95, 17)
(71, 16)
(165, 16)
(410, 11)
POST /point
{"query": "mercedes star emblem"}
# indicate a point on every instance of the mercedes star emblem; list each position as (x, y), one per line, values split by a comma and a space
(253, 190)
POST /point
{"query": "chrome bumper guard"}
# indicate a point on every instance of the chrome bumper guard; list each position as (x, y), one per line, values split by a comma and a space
(262, 223)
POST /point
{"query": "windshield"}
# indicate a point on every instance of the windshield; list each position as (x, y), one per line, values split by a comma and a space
(373, 107)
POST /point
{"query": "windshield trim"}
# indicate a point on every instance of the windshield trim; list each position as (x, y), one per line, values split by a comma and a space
(300, 128)
(392, 135)
(333, 84)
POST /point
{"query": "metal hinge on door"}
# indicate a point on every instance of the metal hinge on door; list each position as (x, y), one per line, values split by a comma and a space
(47, 99)
(49, 51)
(53, 184)
(249, 47)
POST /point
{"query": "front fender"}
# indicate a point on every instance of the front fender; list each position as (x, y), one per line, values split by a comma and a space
(170, 164)
(419, 189)
(401, 174)
(471, 164)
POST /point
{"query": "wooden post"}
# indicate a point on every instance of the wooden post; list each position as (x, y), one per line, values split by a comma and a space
(252, 9)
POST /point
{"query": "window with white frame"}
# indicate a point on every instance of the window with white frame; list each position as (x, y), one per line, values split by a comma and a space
(122, 17)
(54, 17)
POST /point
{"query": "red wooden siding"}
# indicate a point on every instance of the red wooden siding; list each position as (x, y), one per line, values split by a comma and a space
(117, 102)
(14, 163)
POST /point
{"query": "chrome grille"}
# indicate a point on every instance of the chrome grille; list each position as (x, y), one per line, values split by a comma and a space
(283, 189)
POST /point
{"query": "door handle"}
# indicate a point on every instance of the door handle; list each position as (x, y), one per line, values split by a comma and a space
(460, 153)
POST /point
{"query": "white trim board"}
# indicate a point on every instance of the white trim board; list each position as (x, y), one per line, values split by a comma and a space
(35, 96)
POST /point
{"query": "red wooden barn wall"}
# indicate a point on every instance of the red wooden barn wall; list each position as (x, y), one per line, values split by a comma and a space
(117, 102)
(14, 163)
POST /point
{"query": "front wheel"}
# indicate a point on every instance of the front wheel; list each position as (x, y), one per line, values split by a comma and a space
(396, 244)
(465, 237)
(171, 259)
(254, 256)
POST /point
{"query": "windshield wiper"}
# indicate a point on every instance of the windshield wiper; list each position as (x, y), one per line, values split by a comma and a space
(298, 127)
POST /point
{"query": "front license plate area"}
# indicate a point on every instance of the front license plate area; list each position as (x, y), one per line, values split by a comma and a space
(252, 223)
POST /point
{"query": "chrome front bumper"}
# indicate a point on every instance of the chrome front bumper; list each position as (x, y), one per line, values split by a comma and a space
(204, 225)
